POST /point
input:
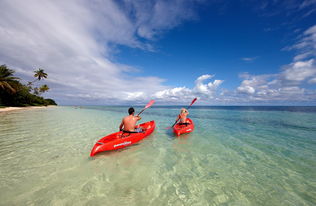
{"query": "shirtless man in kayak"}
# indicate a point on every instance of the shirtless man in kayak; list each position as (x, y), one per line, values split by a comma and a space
(183, 116)
(128, 123)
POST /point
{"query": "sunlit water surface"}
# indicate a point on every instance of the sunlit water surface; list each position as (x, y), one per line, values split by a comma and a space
(235, 156)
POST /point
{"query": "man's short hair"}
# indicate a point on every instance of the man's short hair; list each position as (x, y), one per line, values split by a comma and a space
(131, 110)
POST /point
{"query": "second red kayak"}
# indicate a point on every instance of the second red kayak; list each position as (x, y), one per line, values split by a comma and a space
(179, 128)
(121, 139)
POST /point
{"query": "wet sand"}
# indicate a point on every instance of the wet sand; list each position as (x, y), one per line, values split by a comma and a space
(8, 109)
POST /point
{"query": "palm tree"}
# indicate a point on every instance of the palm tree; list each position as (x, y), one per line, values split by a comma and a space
(40, 74)
(43, 88)
(35, 91)
(7, 80)
(29, 86)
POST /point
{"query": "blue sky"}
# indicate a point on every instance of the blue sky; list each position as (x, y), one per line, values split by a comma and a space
(220, 42)
(122, 52)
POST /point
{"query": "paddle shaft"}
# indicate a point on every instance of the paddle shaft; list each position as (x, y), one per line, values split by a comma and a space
(147, 106)
(141, 112)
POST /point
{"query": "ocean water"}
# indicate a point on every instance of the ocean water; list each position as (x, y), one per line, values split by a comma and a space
(235, 156)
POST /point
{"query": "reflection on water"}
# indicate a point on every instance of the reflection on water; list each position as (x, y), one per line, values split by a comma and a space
(234, 157)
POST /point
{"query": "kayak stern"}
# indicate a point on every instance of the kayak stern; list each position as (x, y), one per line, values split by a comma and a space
(119, 140)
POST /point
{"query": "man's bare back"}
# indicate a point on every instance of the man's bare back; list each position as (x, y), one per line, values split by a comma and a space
(129, 122)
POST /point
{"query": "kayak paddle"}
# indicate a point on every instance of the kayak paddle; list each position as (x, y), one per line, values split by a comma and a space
(192, 103)
(147, 106)
(187, 109)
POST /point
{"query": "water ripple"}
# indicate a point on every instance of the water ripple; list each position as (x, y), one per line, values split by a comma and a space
(235, 156)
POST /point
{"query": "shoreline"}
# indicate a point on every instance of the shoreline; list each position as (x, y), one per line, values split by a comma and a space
(9, 109)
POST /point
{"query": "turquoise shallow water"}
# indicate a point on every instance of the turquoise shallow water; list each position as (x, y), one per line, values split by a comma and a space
(235, 156)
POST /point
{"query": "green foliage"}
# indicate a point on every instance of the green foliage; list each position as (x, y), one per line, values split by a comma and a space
(17, 94)
(50, 102)
(43, 88)
(7, 80)
(40, 74)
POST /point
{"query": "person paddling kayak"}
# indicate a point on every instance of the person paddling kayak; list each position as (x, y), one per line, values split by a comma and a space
(118, 140)
(128, 123)
(183, 117)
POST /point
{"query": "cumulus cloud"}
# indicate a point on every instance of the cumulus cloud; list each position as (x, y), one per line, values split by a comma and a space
(288, 84)
(285, 86)
(73, 41)
(206, 89)
(269, 87)
(174, 93)
(303, 67)
(299, 71)
(245, 88)
(202, 89)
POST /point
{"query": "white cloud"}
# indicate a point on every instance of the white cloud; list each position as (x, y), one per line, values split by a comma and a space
(306, 46)
(289, 8)
(73, 41)
(174, 93)
(249, 59)
(282, 86)
(135, 96)
(285, 86)
(152, 17)
(300, 70)
(246, 89)
(201, 89)
(253, 83)
(206, 89)
(302, 56)
(312, 81)
(288, 84)
(307, 3)
(267, 88)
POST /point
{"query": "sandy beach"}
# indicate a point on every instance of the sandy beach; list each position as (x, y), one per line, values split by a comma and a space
(8, 109)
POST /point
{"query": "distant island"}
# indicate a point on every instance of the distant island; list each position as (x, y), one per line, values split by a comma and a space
(13, 93)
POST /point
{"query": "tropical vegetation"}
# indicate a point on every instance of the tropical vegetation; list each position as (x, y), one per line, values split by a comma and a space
(15, 93)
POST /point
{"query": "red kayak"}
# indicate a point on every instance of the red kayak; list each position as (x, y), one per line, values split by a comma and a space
(179, 129)
(121, 139)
